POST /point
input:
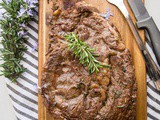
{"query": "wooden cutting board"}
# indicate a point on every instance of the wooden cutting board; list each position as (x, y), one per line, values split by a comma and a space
(126, 34)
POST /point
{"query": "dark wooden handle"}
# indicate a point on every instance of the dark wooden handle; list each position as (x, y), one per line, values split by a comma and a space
(154, 34)
(153, 70)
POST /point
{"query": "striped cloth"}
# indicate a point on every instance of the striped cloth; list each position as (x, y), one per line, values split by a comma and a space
(153, 96)
(24, 94)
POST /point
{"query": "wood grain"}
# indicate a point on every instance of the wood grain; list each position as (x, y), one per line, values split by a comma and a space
(126, 34)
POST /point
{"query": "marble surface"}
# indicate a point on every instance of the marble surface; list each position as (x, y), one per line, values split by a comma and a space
(6, 108)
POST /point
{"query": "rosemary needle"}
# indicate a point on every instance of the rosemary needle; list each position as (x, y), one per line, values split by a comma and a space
(85, 54)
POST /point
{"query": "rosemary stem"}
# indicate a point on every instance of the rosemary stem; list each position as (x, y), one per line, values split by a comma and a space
(84, 53)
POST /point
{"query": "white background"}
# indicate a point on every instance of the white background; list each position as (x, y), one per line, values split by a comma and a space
(6, 109)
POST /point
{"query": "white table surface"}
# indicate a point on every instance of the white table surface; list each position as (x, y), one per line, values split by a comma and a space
(6, 109)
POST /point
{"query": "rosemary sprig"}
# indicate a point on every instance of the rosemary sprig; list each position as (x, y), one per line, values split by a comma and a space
(85, 54)
(13, 21)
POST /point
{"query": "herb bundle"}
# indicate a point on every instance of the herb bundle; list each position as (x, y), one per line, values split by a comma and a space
(85, 54)
(13, 21)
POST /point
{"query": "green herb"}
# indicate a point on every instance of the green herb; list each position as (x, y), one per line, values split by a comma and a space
(12, 23)
(85, 54)
(120, 106)
(119, 92)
